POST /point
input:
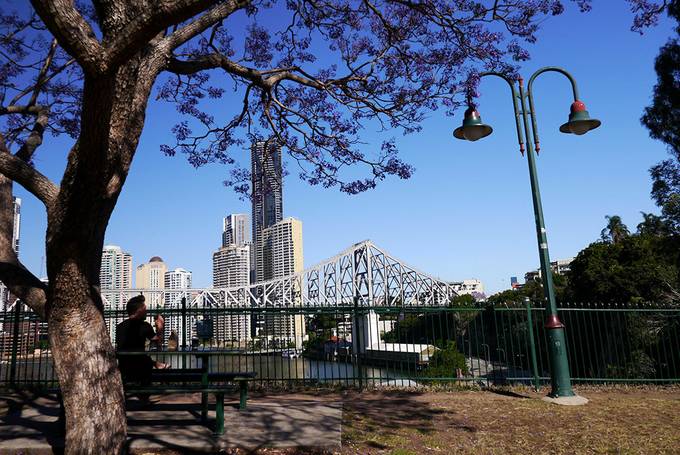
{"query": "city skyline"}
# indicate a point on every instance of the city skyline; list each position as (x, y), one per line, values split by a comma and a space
(472, 198)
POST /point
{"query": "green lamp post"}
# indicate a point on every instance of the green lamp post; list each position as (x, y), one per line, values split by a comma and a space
(579, 123)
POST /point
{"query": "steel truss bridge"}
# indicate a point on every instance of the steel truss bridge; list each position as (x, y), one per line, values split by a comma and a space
(362, 276)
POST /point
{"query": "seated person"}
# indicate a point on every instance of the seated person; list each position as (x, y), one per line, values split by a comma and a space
(131, 335)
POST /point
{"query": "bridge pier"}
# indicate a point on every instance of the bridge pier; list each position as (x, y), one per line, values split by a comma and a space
(365, 333)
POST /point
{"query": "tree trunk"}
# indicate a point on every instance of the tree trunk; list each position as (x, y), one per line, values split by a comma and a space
(85, 363)
(84, 358)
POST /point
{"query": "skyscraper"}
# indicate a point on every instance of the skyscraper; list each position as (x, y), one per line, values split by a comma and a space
(235, 230)
(267, 197)
(178, 279)
(115, 273)
(152, 276)
(16, 230)
(5, 299)
(231, 268)
(283, 256)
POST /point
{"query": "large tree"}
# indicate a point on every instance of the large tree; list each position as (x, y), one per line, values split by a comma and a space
(312, 80)
(662, 119)
(639, 268)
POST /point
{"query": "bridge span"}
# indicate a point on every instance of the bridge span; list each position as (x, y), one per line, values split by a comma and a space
(362, 275)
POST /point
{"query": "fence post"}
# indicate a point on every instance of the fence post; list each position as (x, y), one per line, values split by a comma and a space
(532, 344)
(15, 343)
(359, 341)
(184, 330)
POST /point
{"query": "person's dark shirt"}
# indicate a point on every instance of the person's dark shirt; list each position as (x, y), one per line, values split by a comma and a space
(131, 335)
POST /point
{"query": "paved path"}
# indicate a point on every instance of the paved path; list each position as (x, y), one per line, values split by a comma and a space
(28, 424)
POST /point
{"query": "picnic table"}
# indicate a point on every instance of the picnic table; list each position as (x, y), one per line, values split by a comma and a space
(201, 380)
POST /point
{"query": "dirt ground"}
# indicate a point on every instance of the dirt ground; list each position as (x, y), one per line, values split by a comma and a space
(620, 420)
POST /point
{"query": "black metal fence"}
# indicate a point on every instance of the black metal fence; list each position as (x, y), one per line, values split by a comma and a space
(387, 346)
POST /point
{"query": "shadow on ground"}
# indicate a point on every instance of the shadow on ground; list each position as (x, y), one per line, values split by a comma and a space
(310, 424)
(380, 420)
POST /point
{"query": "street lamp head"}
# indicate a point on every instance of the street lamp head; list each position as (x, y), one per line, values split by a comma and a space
(579, 121)
(472, 128)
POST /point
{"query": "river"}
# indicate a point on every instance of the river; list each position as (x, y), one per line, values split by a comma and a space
(269, 368)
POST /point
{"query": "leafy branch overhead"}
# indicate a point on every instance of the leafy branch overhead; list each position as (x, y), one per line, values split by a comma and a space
(327, 69)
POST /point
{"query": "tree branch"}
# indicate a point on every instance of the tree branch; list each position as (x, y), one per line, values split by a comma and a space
(144, 27)
(216, 14)
(73, 33)
(24, 285)
(263, 79)
(35, 138)
(13, 274)
(19, 171)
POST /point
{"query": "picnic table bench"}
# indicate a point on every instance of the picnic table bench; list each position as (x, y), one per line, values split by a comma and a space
(200, 380)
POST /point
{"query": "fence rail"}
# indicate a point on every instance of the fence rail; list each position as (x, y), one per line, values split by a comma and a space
(388, 345)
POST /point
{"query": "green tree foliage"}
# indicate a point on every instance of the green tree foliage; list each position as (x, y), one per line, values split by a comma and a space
(654, 225)
(615, 231)
(637, 268)
(662, 119)
(445, 363)
(319, 330)
(435, 327)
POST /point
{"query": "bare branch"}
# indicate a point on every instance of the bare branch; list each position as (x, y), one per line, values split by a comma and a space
(38, 85)
(13, 274)
(18, 170)
(42, 75)
(35, 138)
(24, 285)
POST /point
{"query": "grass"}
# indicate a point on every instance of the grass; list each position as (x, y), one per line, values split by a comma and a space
(616, 421)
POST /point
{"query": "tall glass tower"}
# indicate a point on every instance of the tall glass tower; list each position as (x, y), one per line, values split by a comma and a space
(267, 197)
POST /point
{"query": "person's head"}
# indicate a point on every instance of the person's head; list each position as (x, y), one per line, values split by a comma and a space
(136, 308)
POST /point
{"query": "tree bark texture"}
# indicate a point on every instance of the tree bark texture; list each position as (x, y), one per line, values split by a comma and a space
(84, 357)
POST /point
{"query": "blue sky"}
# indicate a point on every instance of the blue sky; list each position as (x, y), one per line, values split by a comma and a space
(466, 213)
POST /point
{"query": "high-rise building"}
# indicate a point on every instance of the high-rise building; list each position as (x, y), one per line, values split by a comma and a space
(16, 229)
(231, 269)
(267, 197)
(179, 280)
(115, 273)
(152, 276)
(5, 299)
(235, 230)
(283, 256)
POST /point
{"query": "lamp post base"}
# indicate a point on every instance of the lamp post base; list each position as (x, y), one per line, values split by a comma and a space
(574, 400)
